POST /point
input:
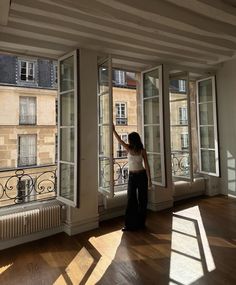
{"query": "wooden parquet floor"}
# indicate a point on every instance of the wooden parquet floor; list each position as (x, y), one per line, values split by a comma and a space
(192, 243)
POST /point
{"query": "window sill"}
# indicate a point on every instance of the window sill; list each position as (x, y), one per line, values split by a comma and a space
(119, 200)
(28, 206)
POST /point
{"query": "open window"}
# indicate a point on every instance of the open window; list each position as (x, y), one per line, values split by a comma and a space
(68, 103)
(153, 133)
(180, 126)
(207, 126)
(106, 166)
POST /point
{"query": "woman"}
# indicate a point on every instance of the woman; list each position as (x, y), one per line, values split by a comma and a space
(138, 184)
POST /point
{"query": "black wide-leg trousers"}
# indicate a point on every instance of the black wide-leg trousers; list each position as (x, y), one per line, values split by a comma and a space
(136, 210)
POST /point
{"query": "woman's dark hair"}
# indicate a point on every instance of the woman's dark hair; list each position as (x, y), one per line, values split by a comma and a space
(135, 143)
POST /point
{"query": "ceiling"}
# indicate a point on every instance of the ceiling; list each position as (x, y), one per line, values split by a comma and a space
(197, 34)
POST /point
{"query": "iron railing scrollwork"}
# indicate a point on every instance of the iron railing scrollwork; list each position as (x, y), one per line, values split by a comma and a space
(180, 163)
(26, 185)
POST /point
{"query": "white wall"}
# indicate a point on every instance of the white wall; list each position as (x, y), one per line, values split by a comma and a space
(226, 87)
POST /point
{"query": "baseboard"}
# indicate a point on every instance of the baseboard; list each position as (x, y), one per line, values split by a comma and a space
(112, 213)
(29, 238)
(188, 196)
(81, 226)
(160, 205)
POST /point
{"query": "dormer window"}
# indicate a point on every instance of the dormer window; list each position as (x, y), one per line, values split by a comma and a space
(27, 70)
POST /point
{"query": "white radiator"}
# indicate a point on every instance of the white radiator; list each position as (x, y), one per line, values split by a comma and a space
(24, 223)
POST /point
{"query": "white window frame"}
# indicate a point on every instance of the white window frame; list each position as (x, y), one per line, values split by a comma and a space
(161, 122)
(75, 163)
(119, 116)
(110, 189)
(215, 126)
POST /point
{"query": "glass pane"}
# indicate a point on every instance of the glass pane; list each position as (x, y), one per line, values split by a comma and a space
(152, 138)
(206, 114)
(67, 144)
(207, 137)
(205, 90)
(208, 161)
(151, 83)
(67, 74)
(155, 167)
(104, 78)
(67, 109)
(104, 141)
(151, 111)
(104, 109)
(67, 181)
(104, 169)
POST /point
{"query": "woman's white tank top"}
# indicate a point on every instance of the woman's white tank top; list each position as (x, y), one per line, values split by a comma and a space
(135, 162)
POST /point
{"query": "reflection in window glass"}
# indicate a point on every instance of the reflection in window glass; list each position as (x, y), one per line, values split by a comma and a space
(67, 74)
(67, 144)
(67, 181)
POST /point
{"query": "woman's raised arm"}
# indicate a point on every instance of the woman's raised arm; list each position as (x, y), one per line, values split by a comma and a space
(125, 145)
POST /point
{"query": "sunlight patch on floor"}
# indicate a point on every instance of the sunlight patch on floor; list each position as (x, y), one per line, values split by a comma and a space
(107, 246)
(185, 270)
(4, 268)
(190, 250)
(77, 268)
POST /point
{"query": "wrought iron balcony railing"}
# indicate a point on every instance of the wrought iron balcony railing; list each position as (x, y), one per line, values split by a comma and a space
(121, 121)
(27, 184)
(180, 163)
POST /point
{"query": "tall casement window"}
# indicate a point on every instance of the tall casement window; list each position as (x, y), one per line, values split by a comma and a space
(105, 121)
(27, 70)
(27, 114)
(121, 114)
(68, 140)
(27, 150)
(180, 129)
(153, 123)
(207, 126)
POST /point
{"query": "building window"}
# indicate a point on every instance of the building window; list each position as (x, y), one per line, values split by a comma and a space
(27, 70)
(121, 152)
(121, 114)
(27, 111)
(183, 115)
(184, 141)
(27, 150)
(120, 77)
(182, 85)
